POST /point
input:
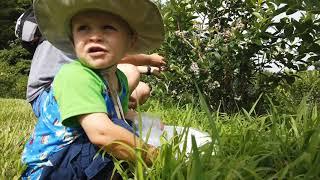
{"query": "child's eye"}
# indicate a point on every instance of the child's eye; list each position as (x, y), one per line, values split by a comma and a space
(109, 27)
(82, 28)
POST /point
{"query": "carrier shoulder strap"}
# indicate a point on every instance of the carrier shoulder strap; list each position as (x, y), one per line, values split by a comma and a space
(27, 30)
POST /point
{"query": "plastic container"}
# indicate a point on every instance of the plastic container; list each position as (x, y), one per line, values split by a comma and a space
(150, 123)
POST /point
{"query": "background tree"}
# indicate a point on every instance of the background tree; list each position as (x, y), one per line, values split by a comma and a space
(226, 46)
(10, 11)
(14, 60)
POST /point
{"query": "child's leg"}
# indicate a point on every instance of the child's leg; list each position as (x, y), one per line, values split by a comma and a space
(140, 91)
(132, 73)
(82, 160)
(79, 160)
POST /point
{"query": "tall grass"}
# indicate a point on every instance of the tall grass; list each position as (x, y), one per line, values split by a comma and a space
(16, 124)
(245, 146)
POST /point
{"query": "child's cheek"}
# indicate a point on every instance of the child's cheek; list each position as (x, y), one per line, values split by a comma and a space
(79, 49)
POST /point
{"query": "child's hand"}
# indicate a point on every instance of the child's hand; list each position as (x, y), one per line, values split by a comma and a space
(131, 115)
(150, 154)
(156, 60)
(155, 71)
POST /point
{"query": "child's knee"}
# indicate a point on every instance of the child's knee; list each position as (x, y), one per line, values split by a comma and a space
(144, 89)
(142, 92)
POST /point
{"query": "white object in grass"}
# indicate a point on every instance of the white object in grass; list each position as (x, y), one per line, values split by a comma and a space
(151, 124)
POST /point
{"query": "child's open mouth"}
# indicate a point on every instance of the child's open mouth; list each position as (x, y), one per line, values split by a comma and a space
(96, 51)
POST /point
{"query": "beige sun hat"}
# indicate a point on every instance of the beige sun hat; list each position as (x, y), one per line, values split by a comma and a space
(143, 16)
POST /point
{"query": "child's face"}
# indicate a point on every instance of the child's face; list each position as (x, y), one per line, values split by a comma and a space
(100, 39)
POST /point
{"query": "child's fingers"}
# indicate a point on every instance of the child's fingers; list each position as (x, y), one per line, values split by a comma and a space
(151, 154)
(132, 103)
(157, 60)
(155, 71)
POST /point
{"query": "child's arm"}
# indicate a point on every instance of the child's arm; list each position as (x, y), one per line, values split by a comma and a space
(144, 59)
(103, 132)
(149, 70)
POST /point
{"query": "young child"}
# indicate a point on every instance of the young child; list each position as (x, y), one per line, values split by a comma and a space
(85, 107)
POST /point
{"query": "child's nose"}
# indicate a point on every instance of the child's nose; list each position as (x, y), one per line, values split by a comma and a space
(96, 36)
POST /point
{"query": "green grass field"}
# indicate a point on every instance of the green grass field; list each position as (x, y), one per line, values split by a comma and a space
(16, 123)
(272, 146)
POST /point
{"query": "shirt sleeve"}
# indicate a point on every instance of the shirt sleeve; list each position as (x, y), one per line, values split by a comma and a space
(78, 90)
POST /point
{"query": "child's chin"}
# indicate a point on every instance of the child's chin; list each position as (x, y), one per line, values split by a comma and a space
(101, 66)
(100, 63)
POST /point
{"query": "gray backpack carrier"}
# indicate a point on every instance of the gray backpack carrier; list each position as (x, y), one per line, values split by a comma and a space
(27, 31)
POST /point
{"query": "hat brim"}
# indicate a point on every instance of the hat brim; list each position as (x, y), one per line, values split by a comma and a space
(143, 16)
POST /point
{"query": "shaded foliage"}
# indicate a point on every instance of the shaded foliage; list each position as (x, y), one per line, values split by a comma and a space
(14, 69)
(287, 97)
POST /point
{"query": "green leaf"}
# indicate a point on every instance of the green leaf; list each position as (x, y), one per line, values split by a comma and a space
(258, 15)
(281, 10)
(306, 37)
(291, 11)
(315, 47)
(288, 31)
(217, 55)
(196, 171)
